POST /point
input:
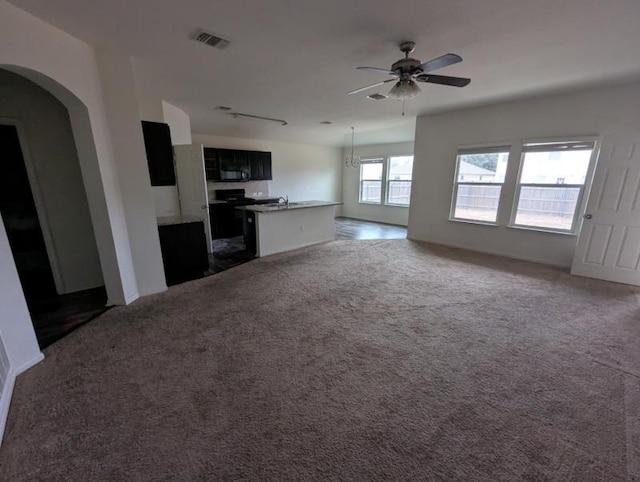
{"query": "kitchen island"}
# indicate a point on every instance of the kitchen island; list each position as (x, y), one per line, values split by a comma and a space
(275, 228)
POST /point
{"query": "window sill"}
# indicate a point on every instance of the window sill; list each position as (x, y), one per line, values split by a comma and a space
(541, 230)
(370, 203)
(472, 221)
(397, 205)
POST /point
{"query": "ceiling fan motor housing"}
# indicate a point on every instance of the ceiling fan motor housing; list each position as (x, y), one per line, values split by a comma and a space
(406, 66)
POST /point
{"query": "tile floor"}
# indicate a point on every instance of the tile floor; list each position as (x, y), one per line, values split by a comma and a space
(230, 252)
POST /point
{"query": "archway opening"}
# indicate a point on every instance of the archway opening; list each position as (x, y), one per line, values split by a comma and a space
(44, 207)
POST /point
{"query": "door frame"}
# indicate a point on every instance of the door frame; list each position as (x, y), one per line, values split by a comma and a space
(38, 201)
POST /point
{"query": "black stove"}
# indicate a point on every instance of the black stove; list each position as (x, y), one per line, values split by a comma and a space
(227, 221)
(235, 197)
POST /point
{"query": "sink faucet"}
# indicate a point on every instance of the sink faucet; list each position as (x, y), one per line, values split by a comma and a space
(285, 199)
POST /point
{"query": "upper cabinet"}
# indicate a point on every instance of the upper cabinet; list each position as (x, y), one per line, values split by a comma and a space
(260, 165)
(157, 143)
(211, 164)
(257, 163)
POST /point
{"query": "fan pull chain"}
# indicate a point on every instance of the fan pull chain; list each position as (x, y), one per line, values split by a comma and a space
(403, 108)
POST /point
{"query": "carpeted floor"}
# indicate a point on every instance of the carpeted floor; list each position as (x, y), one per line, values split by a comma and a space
(353, 360)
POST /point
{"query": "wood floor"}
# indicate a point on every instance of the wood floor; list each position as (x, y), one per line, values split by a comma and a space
(58, 315)
(347, 228)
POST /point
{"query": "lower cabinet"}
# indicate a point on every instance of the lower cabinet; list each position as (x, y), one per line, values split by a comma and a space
(184, 251)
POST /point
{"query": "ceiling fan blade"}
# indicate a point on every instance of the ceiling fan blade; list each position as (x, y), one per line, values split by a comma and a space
(443, 61)
(443, 80)
(370, 86)
(376, 69)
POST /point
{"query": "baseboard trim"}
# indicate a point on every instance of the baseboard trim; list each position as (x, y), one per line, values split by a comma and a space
(131, 298)
(491, 252)
(7, 392)
(5, 402)
(123, 302)
(28, 364)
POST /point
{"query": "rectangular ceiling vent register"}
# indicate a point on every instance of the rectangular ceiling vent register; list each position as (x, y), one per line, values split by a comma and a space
(209, 39)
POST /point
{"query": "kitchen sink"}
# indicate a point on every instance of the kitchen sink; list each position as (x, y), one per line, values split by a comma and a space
(284, 206)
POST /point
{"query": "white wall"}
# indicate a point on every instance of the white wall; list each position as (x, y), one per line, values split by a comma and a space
(133, 172)
(304, 172)
(600, 111)
(179, 124)
(351, 186)
(49, 148)
(66, 67)
(166, 197)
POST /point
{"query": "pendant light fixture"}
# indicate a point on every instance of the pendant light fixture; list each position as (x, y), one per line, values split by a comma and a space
(352, 160)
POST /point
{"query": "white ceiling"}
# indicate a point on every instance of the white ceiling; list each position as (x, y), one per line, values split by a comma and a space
(296, 59)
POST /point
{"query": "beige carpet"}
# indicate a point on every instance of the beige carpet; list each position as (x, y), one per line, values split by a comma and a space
(353, 360)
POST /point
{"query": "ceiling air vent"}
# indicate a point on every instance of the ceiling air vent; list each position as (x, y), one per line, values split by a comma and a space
(377, 97)
(209, 39)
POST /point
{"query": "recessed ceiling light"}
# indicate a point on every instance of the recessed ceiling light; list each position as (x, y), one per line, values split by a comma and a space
(222, 107)
(326, 123)
(377, 96)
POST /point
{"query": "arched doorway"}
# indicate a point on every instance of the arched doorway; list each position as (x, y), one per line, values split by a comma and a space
(44, 207)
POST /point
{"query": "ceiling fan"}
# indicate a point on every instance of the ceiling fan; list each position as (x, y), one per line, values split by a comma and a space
(407, 70)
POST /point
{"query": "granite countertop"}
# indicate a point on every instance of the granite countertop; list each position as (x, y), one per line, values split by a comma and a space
(167, 220)
(274, 208)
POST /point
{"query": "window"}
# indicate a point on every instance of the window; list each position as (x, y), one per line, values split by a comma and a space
(480, 174)
(399, 180)
(371, 181)
(551, 184)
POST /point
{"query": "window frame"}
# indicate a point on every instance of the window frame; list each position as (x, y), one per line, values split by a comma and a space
(576, 222)
(478, 149)
(388, 181)
(372, 160)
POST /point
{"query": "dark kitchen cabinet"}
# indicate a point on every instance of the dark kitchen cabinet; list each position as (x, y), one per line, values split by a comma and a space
(184, 251)
(233, 159)
(225, 157)
(260, 164)
(211, 164)
(241, 159)
(256, 162)
(157, 144)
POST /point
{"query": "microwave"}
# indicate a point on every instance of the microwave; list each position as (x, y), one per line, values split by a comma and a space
(235, 174)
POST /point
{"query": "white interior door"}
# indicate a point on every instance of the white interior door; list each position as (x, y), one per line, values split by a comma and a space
(192, 185)
(609, 244)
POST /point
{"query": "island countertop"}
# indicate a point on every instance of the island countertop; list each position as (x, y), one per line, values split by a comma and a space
(275, 208)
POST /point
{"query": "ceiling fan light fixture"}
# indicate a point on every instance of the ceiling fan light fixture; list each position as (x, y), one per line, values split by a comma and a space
(404, 90)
